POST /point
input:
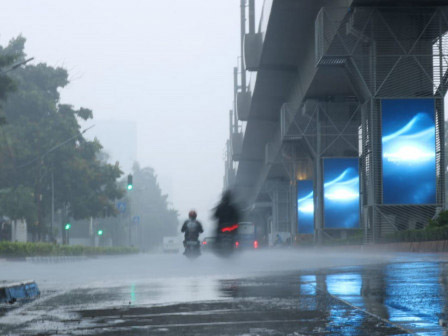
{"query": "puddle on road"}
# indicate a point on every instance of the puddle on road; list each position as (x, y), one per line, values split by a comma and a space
(412, 294)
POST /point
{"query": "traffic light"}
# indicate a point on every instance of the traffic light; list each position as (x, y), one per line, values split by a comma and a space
(100, 232)
(130, 185)
(68, 226)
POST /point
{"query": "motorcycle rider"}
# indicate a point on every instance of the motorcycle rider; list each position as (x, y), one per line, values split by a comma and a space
(228, 215)
(192, 228)
(227, 212)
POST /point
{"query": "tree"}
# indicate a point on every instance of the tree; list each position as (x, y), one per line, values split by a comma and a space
(7, 85)
(146, 200)
(18, 203)
(43, 142)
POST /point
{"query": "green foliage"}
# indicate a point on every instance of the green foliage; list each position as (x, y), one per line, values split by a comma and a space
(7, 85)
(428, 234)
(440, 221)
(436, 230)
(354, 237)
(18, 203)
(9, 249)
(43, 139)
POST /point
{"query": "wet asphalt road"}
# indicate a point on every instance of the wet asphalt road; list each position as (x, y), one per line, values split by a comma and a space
(263, 293)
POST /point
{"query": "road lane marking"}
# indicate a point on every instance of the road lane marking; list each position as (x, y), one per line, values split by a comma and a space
(398, 326)
(198, 324)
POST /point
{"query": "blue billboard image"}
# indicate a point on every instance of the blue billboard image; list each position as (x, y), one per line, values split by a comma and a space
(341, 193)
(305, 207)
(409, 148)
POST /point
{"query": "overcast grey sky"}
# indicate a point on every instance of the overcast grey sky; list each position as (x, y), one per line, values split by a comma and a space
(166, 65)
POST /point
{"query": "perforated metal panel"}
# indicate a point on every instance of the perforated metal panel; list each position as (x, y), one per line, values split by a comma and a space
(389, 53)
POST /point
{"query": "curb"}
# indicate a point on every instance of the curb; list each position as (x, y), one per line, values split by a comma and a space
(55, 259)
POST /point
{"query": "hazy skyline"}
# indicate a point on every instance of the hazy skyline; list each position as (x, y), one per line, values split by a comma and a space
(165, 65)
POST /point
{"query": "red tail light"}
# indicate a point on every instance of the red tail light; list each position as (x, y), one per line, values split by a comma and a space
(255, 244)
(230, 228)
(204, 243)
(237, 244)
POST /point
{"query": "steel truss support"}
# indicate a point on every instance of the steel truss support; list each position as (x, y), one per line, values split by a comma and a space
(279, 192)
(328, 128)
(389, 53)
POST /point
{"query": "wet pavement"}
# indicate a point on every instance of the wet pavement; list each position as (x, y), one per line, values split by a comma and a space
(264, 293)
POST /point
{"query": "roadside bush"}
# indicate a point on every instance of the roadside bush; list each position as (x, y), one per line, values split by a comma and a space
(440, 221)
(10, 249)
(437, 229)
(354, 237)
(430, 233)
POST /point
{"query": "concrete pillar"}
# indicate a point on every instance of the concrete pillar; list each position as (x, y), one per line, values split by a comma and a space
(318, 184)
(281, 210)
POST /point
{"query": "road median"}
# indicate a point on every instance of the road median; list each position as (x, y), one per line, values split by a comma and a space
(26, 250)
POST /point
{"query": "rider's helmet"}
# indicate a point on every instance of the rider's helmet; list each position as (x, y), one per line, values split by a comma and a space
(192, 214)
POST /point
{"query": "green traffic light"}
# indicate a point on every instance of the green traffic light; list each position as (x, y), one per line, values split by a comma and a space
(130, 187)
(100, 232)
(68, 226)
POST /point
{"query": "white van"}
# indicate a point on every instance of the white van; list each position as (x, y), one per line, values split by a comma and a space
(171, 245)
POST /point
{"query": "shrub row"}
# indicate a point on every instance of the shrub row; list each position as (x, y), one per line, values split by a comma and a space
(428, 234)
(354, 237)
(10, 249)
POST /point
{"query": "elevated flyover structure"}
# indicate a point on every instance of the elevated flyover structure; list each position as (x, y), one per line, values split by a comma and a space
(348, 96)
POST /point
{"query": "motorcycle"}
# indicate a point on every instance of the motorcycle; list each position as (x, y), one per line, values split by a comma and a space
(192, 249)
(226, 242)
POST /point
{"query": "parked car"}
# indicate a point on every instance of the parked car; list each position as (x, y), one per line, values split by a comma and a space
(208, 243)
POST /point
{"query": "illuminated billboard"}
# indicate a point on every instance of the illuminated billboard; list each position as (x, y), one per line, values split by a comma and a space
(305, 207)
(341, 193)
(408, 157)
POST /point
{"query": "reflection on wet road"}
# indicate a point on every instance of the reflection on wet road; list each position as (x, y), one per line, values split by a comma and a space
(399, 295)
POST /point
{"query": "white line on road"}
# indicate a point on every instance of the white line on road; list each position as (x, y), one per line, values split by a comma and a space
(367, 312)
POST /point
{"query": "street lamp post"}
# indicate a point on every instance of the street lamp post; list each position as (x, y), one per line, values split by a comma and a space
(41, 157)
(52, 204)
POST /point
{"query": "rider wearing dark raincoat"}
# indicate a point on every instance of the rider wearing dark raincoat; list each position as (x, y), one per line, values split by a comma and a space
(192, 227)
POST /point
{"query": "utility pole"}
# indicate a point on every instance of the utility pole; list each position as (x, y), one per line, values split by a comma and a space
(235, 92)
(52, 205)
(231, 123)
(38, 188)
(129, 208)
(130, 231)
(243, 33)
(251, 16)
(38, 195)
(92, 232)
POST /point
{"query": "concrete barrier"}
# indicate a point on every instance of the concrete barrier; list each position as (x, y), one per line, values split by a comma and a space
(18, 291)
(55, 259)
(438, 246)
(425, 246)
